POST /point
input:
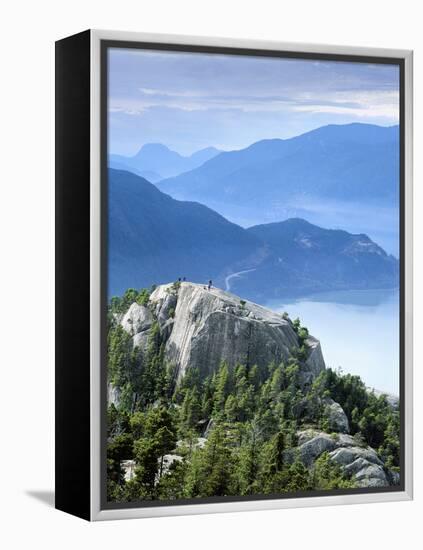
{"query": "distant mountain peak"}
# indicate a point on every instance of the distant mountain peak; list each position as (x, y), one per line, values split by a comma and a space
(154, 147)
(355, 131)
(300, 224)
(296, 222)
(210, 149)
(161, 161)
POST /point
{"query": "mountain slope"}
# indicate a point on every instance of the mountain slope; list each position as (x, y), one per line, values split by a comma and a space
(353, 162)
(157, 159)
(304, 258)
(154, 238)
(149, 175)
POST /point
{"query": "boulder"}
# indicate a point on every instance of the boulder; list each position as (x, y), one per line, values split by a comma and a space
(371, 475)
(306, 435)
(394, 477)
(137, 319)
(338, 421)
(363, 465)
(347, 455)
(346, 440)
(313, 448)
(356, 466)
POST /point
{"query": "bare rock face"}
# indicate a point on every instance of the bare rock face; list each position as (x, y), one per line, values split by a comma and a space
(315, 359)
(205, 327)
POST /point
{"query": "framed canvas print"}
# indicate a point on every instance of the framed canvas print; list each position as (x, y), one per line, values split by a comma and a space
(233, 275)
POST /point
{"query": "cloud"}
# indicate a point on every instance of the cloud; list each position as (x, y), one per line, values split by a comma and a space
(366, 103)
(190, 99)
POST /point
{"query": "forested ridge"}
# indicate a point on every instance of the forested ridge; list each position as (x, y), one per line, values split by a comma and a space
(288, 258)
(234, 432)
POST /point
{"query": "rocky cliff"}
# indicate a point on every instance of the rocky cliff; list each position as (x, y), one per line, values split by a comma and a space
(202, 327)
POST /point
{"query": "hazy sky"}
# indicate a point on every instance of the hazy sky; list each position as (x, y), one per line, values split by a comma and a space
(189, 101)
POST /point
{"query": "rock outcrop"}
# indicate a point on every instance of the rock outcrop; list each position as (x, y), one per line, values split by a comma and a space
(202, 327)
(137, 319)
(359, 461)
(338, 421)
(311, 446)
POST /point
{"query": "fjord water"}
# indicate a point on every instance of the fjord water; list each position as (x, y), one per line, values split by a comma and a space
(358, 331)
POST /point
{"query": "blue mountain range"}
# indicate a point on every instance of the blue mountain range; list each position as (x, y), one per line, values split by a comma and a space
(341, 176)
(155, 161)
(154, 239)
(349, 162)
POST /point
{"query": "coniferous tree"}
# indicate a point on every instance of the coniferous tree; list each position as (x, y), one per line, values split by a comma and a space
(272, 462)
(249, 460)
(253, 418)
(329, 475)
(254, 377)
(158, 439)
(222, 386)
(190, 409)
(217, 464)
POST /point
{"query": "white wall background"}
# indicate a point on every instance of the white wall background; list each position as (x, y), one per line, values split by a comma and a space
(28, 31)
